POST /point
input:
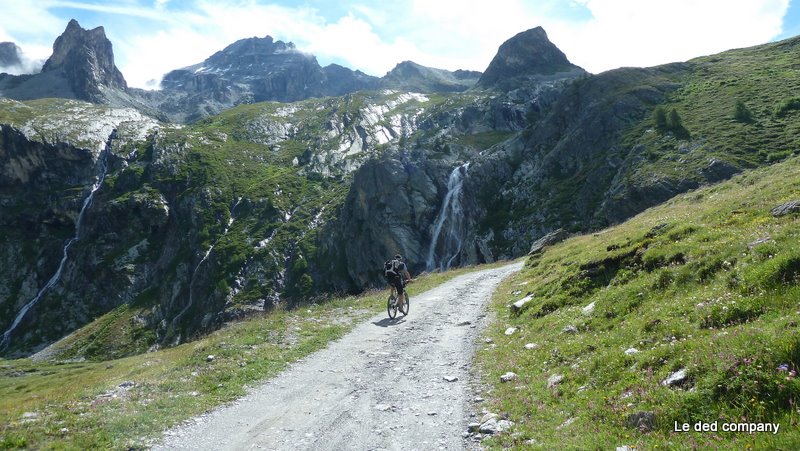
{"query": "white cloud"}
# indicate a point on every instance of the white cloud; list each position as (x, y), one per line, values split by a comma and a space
(646, 33)
(448, 34)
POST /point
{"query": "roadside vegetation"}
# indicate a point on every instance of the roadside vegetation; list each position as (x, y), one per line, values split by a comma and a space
(686, 313)
(127, 403)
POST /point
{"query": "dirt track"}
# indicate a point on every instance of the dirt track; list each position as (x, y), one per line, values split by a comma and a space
(385, 385)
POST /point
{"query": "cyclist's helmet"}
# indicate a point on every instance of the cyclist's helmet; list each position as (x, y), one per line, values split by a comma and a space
(398, 257)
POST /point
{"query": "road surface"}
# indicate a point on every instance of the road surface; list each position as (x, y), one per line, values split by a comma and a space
(389, 384)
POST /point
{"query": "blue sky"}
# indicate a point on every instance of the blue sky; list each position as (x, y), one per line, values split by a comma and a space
(151, 37)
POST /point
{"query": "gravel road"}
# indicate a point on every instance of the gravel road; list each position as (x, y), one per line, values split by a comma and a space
(389, 384)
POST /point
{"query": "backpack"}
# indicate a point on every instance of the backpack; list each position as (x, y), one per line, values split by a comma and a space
(391, 268)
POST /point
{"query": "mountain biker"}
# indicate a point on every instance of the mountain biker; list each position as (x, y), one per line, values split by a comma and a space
(396, 273)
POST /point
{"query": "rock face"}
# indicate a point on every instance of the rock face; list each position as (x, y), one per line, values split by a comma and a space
(261, 69)
(81, 67)
(9, 55)
(86, 58)
(527, 55)
(411, 76)
(256, 68)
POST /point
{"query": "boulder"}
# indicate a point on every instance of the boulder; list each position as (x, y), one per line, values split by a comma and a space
(548, 240)
(517, 306)
(785, 209)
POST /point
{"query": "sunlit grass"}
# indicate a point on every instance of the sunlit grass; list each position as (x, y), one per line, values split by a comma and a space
(708, 282)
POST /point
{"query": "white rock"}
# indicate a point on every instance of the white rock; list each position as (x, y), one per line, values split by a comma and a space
(504, 425)
(631, 351)
(675, 378)
(508, 377)
(517, 306)
(511, 330)
(450, 378)
(588, 309)
(554, 380)
(569, 329)
(531, 345)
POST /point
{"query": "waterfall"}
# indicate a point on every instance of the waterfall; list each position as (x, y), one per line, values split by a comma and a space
(452, 215)
(200, 263)
(102, 163)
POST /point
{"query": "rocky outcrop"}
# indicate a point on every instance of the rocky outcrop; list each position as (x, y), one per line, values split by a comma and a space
(388, 210)
(81, 67)
(528, 55)
(410, 76)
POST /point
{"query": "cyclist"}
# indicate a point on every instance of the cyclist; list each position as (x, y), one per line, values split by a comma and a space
(397, 273)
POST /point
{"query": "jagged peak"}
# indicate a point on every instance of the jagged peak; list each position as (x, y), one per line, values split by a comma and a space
(529, 53)
(87, 59)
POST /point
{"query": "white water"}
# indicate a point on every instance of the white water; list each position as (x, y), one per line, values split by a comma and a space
(452, 215)
(203, 260)
(102, 168)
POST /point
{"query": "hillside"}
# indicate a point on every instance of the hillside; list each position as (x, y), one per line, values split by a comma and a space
(168, 231)
(686, 313)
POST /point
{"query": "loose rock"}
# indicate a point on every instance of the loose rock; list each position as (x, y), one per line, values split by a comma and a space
(489, 427)
(450, 378)
(554, 380)
(785, 209)
(210, 358)
(511, 330)
(517, 306)
(588, 309)
(631, 351)
(569, 329)
(508, 377)
(531, 345)
(676, 378)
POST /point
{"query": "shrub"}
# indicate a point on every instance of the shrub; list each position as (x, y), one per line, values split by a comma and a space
(788, 105)
(741, 113)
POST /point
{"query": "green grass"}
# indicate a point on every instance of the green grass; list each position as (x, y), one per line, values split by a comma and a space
(690, 287)
(79, 405)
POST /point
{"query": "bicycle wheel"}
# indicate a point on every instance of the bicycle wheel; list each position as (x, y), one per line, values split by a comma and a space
(391, 308)
(406, 305)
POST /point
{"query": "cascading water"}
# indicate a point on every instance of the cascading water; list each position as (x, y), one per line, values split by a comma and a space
(452, 216)
(102, 168)
(189, 304)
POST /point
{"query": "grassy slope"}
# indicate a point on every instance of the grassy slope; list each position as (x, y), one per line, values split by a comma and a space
(764, 78)
(81, 406)
(695, 294)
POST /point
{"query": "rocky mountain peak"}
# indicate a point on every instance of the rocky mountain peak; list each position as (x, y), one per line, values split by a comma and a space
(86, 58)
(9, 54)
(251, 51)
(528, 54)
(409, 75)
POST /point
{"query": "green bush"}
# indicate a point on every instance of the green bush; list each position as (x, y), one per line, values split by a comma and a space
(741, 113)
(788, 105)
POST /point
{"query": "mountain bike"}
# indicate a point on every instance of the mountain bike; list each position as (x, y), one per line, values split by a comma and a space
(391, 303)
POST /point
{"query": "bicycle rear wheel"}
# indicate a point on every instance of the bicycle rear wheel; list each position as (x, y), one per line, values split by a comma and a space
(391, 308)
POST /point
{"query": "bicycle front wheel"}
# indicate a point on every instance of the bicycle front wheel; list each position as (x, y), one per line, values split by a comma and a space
(406, 305)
